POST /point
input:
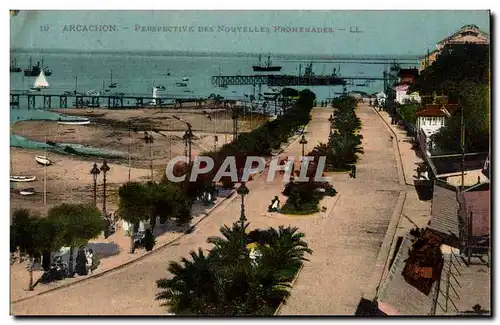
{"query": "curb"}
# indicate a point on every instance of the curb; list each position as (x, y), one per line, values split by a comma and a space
(283, 301)
(385, 249)
(224, 202)
(399, 162)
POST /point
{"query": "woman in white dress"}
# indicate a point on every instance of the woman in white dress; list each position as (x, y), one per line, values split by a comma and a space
(89, 254)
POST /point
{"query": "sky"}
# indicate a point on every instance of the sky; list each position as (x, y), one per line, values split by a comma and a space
(341, 32)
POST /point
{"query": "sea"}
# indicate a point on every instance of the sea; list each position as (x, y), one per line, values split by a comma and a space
(137, 73)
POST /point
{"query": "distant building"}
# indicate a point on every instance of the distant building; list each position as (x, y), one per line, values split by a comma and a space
(407, 76)
(402, 96)
(468, 34)
(429, 121)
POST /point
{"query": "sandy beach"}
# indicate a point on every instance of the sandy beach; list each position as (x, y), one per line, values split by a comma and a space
(69, 178)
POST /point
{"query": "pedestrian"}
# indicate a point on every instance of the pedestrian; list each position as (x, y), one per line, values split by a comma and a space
(419, 172)
(353, 171)
(90, 257)
(391, 138)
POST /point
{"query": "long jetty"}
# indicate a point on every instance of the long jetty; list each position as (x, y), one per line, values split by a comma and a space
(110, 101)
(287, 80)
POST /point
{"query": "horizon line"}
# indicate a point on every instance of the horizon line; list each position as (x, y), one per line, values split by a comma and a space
(343, 56)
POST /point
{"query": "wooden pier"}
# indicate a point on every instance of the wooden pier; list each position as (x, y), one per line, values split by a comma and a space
(93, 101)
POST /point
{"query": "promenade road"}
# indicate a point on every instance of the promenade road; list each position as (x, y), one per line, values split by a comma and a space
(346, 242)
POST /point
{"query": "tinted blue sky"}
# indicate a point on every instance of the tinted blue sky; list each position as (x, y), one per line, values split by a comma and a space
(383, 32)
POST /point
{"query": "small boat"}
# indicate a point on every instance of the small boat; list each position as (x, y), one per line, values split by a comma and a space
(33, 70)
(181, 84)
(27, 191)
(92, 92)
(14, 67)
(185, 79)
(22, 178)
(267, 67)
(43, 160)
(74, 122)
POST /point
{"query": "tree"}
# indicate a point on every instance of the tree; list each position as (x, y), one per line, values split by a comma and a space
(31, 235)
(169, 200)
(475, 102)
(135, 206)
(76, 224)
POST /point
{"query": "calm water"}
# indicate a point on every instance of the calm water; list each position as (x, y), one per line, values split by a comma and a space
(136, 74)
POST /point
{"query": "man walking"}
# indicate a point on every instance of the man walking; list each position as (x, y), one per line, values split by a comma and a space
(353, 171)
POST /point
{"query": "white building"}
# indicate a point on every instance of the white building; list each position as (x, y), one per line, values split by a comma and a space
(429, 121)
(402, 96)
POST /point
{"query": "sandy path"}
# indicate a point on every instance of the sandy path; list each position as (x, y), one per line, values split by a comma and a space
(345, 243)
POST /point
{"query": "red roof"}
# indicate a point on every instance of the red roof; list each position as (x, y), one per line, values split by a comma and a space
(478, 202)
(432, 110)
(452, 108)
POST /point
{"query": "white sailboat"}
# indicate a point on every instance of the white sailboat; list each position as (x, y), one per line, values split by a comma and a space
(40, 82)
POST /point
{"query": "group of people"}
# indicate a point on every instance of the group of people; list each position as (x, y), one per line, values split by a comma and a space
(84, 261)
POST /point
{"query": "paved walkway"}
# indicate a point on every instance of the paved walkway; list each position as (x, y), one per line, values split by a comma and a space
(346, 241)
(415, 212)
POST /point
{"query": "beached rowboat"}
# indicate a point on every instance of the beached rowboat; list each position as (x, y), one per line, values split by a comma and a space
(22, 178)
(79, 122)
(43, 160)
(27, 191)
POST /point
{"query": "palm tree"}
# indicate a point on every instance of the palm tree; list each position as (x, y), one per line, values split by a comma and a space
(232, 246)
(346, 151)
(193, 287)
(226, 282)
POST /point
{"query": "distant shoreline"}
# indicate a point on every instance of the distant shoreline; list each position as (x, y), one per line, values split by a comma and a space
(401, 57)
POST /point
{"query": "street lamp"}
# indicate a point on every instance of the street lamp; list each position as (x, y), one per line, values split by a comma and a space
(104, 168)
(95, 172)
(243, 190)
(303, 142)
